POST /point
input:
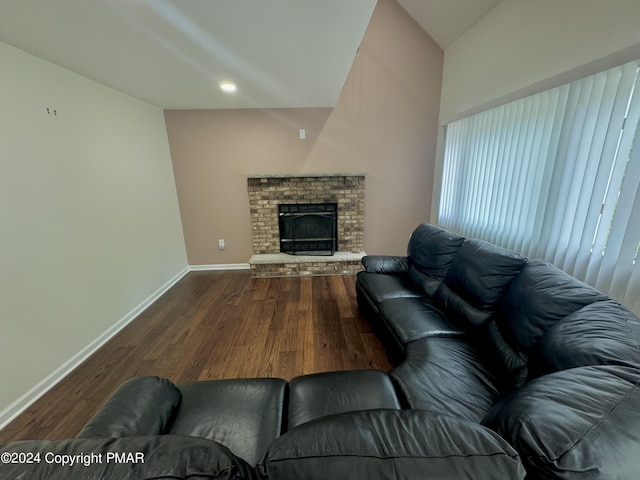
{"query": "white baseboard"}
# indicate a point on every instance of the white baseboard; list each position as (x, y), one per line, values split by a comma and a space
(220, 266)
(22, 403)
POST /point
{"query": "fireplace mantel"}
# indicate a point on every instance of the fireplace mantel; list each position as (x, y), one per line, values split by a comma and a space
(308, 175)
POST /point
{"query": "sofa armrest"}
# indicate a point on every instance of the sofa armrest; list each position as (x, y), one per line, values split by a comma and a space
(140, 406)
(386, 264)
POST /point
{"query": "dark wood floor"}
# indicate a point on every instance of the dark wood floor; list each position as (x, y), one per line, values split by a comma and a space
(214, 325)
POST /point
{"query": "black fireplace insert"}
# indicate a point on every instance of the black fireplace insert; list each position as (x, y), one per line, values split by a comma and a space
(308, 228)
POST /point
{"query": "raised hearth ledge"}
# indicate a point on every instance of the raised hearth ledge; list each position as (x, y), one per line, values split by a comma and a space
(286, 258)
(308, 175)
(285, 265)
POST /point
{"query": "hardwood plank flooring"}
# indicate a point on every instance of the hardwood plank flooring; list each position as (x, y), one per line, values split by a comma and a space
(214, 325)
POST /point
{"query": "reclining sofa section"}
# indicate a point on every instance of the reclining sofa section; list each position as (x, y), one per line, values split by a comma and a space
(505, 368)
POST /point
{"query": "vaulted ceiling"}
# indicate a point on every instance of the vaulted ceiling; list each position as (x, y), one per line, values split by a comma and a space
(175, 53)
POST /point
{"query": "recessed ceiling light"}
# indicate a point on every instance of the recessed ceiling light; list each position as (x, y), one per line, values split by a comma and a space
(228, 87)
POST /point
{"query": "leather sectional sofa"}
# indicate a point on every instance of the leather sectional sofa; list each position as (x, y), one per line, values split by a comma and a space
(486, 336)
(505, 368)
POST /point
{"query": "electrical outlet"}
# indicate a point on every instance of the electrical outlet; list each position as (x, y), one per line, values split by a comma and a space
(221, 244)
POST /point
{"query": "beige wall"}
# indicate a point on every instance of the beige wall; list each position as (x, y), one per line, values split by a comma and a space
(213, 151)
(522, 46)
(89, 219)
(384, 124)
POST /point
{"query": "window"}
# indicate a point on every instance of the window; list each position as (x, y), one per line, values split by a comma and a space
(556, 176)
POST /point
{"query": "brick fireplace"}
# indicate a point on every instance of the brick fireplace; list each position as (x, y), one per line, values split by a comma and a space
(267, 192)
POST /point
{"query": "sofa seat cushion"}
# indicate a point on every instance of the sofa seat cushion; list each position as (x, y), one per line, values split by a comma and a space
(379, 286)
(139, 406)
(321, 394)
(244, 414)
(162, 457)
(574, 424)
(602, 333)
(390, 444)
(447, 375)
(411, 319)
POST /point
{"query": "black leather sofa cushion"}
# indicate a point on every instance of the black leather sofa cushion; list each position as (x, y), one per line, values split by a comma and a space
(448, 375)
(477, 280)
(140, 406)
(430, 252)
(603, 333)
(574, 424)
(388, 444)
(244, 414)
(379, 287)
(431, 249)
(536, 299)
(411, 319)
(160, 457)
(321, 394)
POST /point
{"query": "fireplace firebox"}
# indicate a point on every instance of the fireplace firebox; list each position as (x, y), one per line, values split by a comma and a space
(308, 228)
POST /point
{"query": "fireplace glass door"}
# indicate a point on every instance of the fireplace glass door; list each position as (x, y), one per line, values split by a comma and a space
(308, 228)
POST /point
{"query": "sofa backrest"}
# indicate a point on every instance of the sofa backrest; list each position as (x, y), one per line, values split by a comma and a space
(602, 333)
(578, 410)
(537, 299)
(577, 423)
(477, 280)
(430, 252)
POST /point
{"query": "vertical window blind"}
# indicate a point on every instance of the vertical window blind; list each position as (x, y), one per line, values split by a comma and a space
(555, 176)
